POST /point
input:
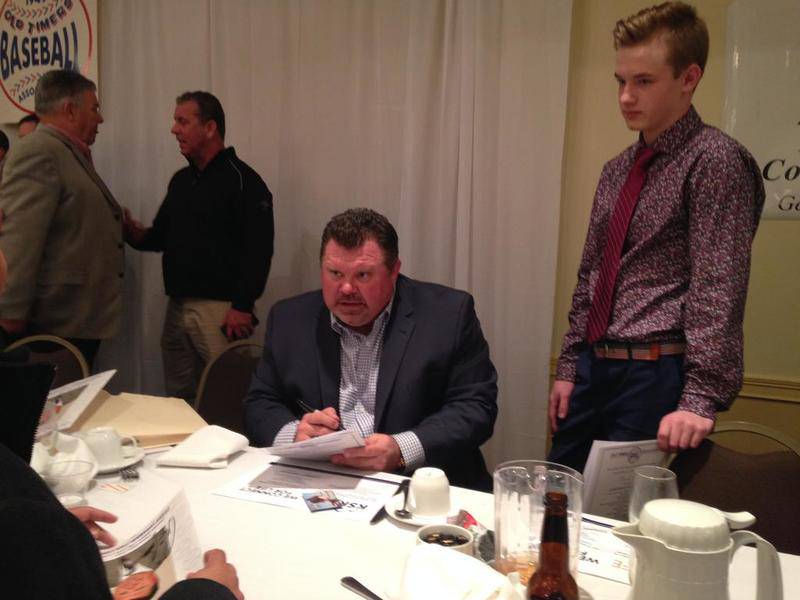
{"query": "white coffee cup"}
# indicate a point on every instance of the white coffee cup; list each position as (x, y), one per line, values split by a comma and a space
(429, 492)
(109, 448)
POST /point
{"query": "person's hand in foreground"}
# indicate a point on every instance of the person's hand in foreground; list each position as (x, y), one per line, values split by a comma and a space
(317, 423)
(90, 516)
(682, 429)
(217, 568)
(381, 453)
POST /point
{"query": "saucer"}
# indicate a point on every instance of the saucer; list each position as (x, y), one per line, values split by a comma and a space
(396, 502)
(124, 463)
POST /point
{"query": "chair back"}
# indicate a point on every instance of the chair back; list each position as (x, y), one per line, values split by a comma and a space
(69, 361)
(766, 484)
(224, 384)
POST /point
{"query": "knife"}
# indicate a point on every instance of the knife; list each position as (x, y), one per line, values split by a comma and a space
(403, 487)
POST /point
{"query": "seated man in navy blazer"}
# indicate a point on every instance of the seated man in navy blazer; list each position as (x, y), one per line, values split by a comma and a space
(402, 362)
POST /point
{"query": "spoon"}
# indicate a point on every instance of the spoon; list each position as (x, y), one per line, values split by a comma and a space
(355, 586)
(404, 513)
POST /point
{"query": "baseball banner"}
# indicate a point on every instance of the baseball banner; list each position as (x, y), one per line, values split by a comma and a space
(37, 36)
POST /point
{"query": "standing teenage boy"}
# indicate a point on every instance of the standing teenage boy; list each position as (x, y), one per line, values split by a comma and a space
(654, 347)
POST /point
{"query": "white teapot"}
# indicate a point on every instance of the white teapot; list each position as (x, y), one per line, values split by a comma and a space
(683, 550)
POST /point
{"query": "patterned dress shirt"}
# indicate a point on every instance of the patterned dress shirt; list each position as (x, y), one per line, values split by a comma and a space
(686, 259)
(360, 360)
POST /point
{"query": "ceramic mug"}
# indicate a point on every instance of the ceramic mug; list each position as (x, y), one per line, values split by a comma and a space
(108, 447)
(429, 492)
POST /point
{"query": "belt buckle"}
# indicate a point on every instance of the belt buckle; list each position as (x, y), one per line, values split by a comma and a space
(655, 351)
(605, 350)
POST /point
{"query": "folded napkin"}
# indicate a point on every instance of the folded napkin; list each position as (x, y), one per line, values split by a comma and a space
(209, 447)
(433, 571)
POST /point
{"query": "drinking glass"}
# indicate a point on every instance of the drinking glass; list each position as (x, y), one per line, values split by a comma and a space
(650, 483)
(519, 489)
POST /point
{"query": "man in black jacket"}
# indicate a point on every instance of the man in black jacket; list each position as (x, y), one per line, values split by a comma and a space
(215, 228)
(402, 362)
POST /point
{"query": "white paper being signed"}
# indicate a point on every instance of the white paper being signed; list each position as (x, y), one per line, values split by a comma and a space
(319, 448)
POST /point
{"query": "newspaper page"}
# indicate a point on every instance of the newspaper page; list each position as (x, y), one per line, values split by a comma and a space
(67, 403)
(321, 447)
(314, 489)
(608, 475)
(155, 532)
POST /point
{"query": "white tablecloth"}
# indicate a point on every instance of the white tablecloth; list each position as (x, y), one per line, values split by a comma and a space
(284, 554)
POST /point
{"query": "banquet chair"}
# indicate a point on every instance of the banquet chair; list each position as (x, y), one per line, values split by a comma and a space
(766, 484)
(69, 361)
(224, 383)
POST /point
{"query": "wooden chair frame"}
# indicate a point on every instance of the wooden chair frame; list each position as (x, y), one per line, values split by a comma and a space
(757, 428)
(204, 377)
(32, 339)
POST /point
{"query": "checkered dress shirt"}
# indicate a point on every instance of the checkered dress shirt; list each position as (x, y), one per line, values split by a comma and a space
(360, 360)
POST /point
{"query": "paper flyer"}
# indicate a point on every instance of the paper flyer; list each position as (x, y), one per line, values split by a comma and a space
(353, 496)
(608, 475)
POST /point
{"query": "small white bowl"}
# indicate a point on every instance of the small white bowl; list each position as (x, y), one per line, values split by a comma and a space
(69, 479)
(465, 548)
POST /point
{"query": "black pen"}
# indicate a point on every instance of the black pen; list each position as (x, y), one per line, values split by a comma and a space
(307, 409)
(593, 522)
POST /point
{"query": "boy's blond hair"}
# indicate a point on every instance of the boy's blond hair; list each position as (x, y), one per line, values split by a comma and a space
(685, 34)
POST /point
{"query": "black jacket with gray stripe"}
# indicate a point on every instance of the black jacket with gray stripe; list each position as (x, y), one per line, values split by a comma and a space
(216, 230)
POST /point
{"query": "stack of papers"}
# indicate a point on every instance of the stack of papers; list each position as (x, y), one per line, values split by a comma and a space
(155, 531)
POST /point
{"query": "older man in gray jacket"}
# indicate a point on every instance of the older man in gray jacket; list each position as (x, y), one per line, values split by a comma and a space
(62, 229)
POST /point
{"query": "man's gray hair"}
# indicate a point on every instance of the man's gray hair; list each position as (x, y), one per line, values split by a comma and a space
(55, 87)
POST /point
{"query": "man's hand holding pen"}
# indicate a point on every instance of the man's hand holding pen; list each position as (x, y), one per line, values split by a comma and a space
(381, 452)
(317, 423)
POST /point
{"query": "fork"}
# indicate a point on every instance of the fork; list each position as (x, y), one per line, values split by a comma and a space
(129, 474)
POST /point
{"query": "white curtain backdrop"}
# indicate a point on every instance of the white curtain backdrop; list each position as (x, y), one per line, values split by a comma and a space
(445, 115)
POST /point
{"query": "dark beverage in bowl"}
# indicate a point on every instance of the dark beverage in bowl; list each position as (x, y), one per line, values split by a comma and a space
(445, 539)
(447, 536)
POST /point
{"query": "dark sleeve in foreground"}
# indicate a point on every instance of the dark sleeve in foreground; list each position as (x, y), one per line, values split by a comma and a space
(45, 550)
(49, 553)
(198, 589)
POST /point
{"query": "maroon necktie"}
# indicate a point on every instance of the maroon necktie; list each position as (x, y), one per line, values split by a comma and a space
(617, 229)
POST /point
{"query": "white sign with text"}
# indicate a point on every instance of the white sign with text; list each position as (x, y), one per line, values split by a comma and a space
(762, 91)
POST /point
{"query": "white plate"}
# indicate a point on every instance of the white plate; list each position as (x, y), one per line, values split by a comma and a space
(396, 502)
(124, 463)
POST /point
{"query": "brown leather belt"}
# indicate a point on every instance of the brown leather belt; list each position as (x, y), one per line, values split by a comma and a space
(624, 351)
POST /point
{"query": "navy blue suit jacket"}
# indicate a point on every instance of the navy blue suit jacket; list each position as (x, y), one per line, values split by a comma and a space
(435, 378)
